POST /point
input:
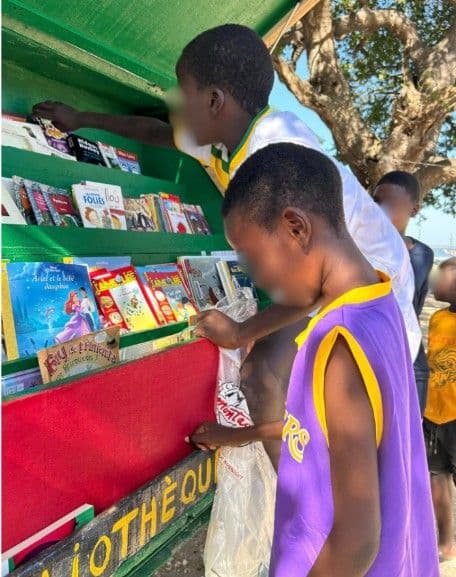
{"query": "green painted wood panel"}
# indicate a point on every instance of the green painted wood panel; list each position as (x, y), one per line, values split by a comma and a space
(145, 36)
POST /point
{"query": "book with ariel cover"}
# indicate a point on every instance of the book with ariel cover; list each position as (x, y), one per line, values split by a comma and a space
(174, 214)
(203, 280)
(50, 303)
(88, 353)
(61, 206)
(169, 292)
(57, 531)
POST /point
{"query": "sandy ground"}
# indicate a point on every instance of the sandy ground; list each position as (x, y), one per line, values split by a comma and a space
(187, 559)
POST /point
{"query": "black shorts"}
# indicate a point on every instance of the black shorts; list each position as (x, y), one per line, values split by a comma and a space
(441, 447)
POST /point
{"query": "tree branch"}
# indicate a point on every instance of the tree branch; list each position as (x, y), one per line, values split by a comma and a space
(442, 171)
(440, 64)
(368, 21)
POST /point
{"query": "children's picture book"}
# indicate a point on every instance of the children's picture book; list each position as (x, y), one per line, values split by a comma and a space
(109, 155)
(115, 201)
(128, 161)
(196, 219)
(169, 292)
(174, 214)
(203, 279)
(94, 263)
(22, 200)
(85, 150)
(152, 203)
(138, 215)
(87, 353)
(234, 278)
(51, 534)
(110, 315)
(10, 211)
(127, 292)
(21, 381)
(54, 137)
(92, 205)
(50, 303)
(38, 203)
(61, 206)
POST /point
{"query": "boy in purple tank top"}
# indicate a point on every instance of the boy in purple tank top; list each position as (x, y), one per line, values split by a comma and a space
(353, 496)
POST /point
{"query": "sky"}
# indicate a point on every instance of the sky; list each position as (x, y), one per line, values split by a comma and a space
(433, 227)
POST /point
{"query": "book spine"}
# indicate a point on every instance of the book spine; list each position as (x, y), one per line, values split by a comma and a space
(57, 219)
(9, 330)
(30, 188)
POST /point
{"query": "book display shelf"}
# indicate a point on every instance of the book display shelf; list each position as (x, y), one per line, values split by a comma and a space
(102, 437)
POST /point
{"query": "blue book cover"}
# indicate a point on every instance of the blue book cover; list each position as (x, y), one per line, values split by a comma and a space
(97, 262)
(51, 303)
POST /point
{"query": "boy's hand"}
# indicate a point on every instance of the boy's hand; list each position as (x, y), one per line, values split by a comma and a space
(64, 117)
(209, 436)
(218, 328)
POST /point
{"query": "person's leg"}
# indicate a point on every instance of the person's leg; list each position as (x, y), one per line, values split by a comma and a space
(447, 436)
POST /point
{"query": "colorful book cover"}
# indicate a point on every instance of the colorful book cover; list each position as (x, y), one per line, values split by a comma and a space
(88, 353)
(138, 216)
(240, 278)
(110, 314)
(129, 295)
(94, 263)
(196, 219)
(21, 381)
(128, 161)
(61, 206)
(92, 206)
(169, 292)
(115, 201)
(54, 137)
(109, 155)
(151, 204)
(22, 200)
(51, 304)
(174, 213)
(85, 150)
(57, 531)
(10, 211)
(204, 280)
(39, 206)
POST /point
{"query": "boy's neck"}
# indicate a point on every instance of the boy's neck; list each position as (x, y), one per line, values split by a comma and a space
(235, 129)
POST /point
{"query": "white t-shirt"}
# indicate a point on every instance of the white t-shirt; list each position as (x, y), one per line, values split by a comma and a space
(374, 234)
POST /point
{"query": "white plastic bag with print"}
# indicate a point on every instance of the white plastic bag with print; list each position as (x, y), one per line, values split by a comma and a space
(240, 530)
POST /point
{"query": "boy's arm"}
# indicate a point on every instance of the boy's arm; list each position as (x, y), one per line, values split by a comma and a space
(212, 435)
(143, 128)
(224, 332)
(352, 545)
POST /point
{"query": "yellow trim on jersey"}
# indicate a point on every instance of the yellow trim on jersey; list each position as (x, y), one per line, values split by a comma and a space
(355, 296)
(365, 369)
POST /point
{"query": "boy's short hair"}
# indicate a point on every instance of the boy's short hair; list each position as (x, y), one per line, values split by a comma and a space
(405, 180)
(234, 58)
(286, 175)
(449, 264)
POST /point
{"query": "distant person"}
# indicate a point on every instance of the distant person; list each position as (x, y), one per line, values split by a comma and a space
(225, 77)
(399, 195)
(440, 414)
(353, 495)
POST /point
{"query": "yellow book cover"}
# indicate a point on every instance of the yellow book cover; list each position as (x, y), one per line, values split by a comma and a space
(9, 331)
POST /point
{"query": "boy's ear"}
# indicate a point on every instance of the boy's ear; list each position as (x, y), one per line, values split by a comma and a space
(416, 209)
(217, 100)
(298, 225)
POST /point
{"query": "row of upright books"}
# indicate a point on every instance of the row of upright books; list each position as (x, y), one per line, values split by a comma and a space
(40, 135)
(98, 205)
(46, 304)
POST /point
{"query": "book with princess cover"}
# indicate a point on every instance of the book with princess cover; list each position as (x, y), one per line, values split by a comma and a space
(88, 353)
(50, 303)
(169, 292)
(123, 288)
(60, 529)
(203, 279)
(92, 205)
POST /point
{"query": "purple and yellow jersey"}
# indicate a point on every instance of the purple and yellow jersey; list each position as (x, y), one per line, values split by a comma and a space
(369, 319)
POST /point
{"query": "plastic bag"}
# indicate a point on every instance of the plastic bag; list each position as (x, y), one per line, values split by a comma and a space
(240, 529)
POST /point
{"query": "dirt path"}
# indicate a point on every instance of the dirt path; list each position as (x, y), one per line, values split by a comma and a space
(188, 558)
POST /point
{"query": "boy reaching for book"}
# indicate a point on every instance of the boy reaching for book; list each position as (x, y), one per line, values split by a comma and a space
(353, 495)
(399, 195)
(440, 413)
(225, 77)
